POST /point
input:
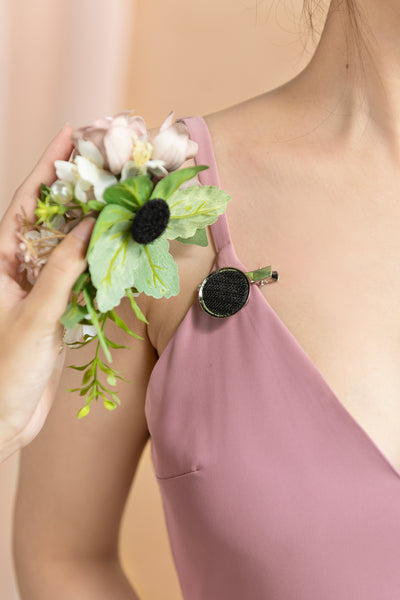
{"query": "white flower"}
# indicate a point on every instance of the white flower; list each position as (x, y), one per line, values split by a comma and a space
(172, 144)
(74, 335)
(86, 172)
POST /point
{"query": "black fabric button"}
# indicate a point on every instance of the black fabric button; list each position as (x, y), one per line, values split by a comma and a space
(224, 292)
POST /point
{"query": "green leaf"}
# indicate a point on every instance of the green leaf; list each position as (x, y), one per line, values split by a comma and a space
(80, 282)
(118, 321)
(81, 368)
(193, 208)
(157, 272)
(88, 374)
(199, 238)
(167, 185)
(104, 367)
(131, 193)
(111, 216)
(109, 405)
(85, 390)
(121, 378)
(44, 191)
(96, 205)
(92, 394)
(135, 306)
(112, 265)
(99, 385)
(260, 274)
(115, 398)
(114, 345)
(73, 315)
(83, 412)
(88, 339)
(111, 379)
(109, 371)
(93, 315)
(85, 208)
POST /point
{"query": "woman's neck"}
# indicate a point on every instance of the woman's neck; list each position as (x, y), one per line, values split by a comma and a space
(359, 89)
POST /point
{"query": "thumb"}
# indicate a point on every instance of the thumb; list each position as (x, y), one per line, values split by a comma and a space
(49, 297)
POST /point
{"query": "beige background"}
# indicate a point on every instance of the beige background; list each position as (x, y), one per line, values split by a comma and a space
(78, 60)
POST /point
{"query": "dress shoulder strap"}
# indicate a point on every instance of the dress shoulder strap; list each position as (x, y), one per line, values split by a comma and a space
(199, 133)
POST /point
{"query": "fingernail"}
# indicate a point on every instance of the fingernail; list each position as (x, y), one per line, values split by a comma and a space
(84, 229)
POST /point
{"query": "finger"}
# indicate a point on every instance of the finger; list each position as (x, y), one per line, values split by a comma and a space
(38, 417)
(60, 148)
(49, 297)
(26, 197)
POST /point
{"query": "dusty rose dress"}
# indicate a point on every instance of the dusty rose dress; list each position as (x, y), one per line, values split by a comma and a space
(271, 489)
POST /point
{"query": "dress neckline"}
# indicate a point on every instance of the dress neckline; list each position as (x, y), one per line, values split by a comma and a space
(221, 237)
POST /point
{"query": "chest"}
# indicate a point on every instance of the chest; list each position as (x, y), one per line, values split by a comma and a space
(332, 235)
(335, 243)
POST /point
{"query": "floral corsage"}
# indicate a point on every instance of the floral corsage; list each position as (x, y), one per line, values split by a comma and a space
(141, 199)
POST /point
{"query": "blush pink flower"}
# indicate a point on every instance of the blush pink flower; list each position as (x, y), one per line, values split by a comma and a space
(114, 137)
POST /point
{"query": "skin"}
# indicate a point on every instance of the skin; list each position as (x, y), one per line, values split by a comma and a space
(30, 332)
(322, 153)
(313, 168)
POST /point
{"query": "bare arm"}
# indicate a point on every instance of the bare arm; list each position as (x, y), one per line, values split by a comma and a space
(74, 480)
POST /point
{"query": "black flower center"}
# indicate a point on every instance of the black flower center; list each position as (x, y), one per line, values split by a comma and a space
(150, 221)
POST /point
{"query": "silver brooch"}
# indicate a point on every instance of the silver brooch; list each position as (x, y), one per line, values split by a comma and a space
(226, 291)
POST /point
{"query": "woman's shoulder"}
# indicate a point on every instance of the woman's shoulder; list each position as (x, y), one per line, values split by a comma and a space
(235, 135)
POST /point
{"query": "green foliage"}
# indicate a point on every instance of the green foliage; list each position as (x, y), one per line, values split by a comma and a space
(91, 387)
(134, 306)
(110, 216)
(113, 262)
(193, 208)
(47, 210)
(131, 193)
(118, 266)
(112, 255)
(95, 205)
(109, 405)
(80, 282)
(169, 184)
(44, 191)
(96, 321)
(73, 315)
(120, 323)
(260, 274)
(83, 411)
(199, 238)
(158, 272)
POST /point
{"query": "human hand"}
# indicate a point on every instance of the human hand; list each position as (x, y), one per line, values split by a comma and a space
(30, 331)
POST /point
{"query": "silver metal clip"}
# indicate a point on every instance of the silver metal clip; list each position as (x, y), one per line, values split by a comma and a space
(263, 276)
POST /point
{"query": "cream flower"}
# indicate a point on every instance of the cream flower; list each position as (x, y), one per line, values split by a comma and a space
(141, 162)
(86, 172)
(172, 144)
